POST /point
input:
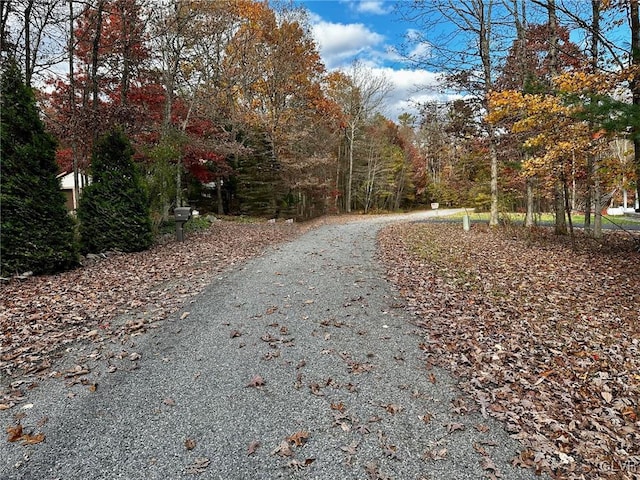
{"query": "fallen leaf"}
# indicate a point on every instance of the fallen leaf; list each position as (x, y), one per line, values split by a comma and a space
(315, 389)
(189, 444)
(452, 427)
(487, 464)
(15, 433)
(93, 387)
(392, 408)
(6, 406)
(426, 418)
(253, 447)
(435, 454)
(32, 439)
(480, 449)
(256, 381)
(235, 334)
(362, 429)
(184, 315)
(297, 464)
(198, 466)
(351, 448)
(299, 438)
(283, 449)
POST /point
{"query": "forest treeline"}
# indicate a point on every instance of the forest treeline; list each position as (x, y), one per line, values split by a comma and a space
(228, 107)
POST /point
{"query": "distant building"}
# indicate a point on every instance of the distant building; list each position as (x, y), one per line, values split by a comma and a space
(67, 184)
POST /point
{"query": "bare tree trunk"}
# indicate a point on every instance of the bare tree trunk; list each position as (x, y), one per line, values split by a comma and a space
(5, 9)
(597, 197)
(484, 31)
(219, 195)
(126, 54)
(72, 108)
(528, 219)
(95, 52)
(595, 36)
(350, 177)
(635, 84)
(27, 43)
(567, 208)
(558, 189)
(493, 154)
(558, 207)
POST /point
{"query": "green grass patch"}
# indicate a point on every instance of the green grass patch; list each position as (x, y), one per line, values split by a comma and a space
(544, 218)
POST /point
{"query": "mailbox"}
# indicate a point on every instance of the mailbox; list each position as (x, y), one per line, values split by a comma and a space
(181, 214)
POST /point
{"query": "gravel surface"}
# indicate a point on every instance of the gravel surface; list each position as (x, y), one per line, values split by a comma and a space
(299, 364)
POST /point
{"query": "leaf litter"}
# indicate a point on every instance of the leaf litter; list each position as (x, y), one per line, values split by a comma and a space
(546, 337)
(118, 296)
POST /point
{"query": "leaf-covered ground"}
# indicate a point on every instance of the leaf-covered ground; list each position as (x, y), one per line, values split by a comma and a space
(545, 337)
(119, 295)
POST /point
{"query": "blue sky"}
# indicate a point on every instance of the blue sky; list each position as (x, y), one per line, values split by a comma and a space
(369, 30)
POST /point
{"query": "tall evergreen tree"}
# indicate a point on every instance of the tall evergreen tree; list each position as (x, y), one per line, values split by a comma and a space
(114, 209)
(36, 232)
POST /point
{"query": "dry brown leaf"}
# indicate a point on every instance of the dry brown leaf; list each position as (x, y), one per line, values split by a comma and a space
(315, 389)
(14, 433)
(189, 444)
(32, 439)
(299, 438)
(454, 426)
(481, 427)
(392, 408)
(487, 464)
(256, 381)
(253, 447)
(426, 418)
(297, 464)
(351, 448)
(198, 466)
(435, 454)
(283, 449)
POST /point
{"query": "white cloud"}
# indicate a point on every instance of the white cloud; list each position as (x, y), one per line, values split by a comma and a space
(339, 43)
(410, 88)
(375, 7)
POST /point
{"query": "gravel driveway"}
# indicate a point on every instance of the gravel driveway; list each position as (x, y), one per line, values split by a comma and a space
(299, 364)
